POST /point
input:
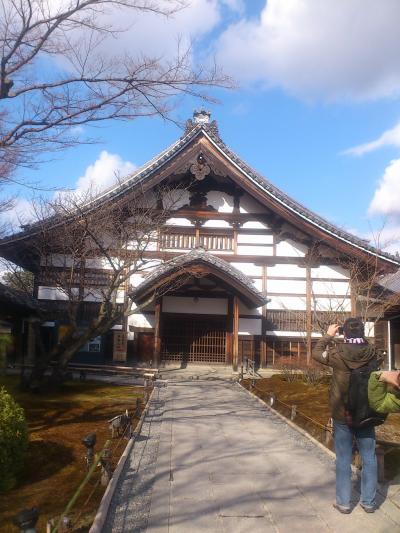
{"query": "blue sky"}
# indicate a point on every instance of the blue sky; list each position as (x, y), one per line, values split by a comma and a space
(317, 81)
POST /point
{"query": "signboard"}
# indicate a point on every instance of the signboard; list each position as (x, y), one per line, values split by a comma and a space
(119, 345)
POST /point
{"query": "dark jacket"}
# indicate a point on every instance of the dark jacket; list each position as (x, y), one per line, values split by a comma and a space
(382, 397)
(342, 358)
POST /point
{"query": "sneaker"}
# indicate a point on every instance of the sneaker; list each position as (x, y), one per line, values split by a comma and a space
(368, 508)
(342, 509)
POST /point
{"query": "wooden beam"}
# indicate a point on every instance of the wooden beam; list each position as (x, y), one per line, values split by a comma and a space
(229, 332)
(308, 313)
(235, 333)
(157, 335)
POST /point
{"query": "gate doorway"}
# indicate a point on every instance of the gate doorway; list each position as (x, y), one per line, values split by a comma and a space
(193, 338)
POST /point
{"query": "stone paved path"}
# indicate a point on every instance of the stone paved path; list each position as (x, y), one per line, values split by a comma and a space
(211, 458)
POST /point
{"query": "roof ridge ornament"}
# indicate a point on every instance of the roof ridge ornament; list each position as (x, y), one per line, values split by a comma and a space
(202, 118)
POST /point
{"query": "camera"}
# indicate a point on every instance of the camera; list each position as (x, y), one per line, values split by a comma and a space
(340, 330)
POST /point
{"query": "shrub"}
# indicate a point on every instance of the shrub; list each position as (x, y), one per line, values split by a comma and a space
(13, 440)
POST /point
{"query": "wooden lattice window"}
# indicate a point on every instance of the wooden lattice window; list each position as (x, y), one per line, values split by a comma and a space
(175, 240)
(216, 242)
(193, 339)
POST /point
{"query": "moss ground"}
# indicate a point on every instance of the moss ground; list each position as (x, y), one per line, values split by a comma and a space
(55, 463)
(312, 401)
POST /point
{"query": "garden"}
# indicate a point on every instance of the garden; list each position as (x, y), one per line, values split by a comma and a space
(51, 464)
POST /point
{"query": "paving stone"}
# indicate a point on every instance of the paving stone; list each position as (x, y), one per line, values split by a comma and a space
(212, 458)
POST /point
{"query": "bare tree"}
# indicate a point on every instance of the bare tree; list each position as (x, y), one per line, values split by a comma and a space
(55, 76)
(89, 257)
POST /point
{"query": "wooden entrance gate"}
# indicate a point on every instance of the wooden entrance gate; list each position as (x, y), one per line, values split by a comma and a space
(193, 338)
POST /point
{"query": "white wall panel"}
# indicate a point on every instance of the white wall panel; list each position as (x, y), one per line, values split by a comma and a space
(250, 269)
(201, 306)
(178, 222)
(141, 320)
(175, 198)
(255, 250)
(291, 271)
(254, 224)
(249, 205)
(216, 224)
(57, 260)
(244, 310)
(332, 304)
(51, 293)
(220, 201)
(254, 239)
(331, 287)
(258, 284)
(286, 286)
(92, 295)
(249, 326)
(291, 249)
(325, 271)
(288, 302)
(98, 262)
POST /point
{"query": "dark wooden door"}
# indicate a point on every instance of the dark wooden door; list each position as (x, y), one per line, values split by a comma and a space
(193, 338)
(145, 346)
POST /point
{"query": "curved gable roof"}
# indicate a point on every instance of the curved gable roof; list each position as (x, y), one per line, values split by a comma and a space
(186, 265)
(269, 191)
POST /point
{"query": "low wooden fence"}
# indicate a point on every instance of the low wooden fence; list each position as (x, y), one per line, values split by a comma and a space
(321, 432)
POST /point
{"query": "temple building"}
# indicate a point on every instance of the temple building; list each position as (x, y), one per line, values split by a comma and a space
(239, 268)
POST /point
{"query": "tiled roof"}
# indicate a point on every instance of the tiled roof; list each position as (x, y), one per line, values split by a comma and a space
(210, 130)
(199, 255)
(11, 296)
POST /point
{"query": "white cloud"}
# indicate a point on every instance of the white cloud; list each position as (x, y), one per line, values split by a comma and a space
(139, 33)
(386, 197)
(388, 138)
(326, 50)
(104, 172)
(21, 213)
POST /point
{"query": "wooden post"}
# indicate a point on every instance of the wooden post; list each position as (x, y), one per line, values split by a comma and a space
(229, 332)
(308, 313)
(235, 333)
(263, 343)
(157, 335)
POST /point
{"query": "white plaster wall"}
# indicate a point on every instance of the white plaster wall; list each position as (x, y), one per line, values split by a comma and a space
(301, 334)
(332, 304)
(331, 287)
(92, 295)
(141, 320)
(369, 329)
(325, 271)
(254, 239)
(178, 222)
(216, 224)
(295, 303)
(220, 201)
(244, 310)
(290, 248)
(250, 269)
(51, 293)
(255, 250)
(255, 224)
(249, 205)
(175, 198)
(249, 326)
(57, 260)
(285, 286)
(258, 284)
(203, 306)
(291, 271)
(98, 262)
